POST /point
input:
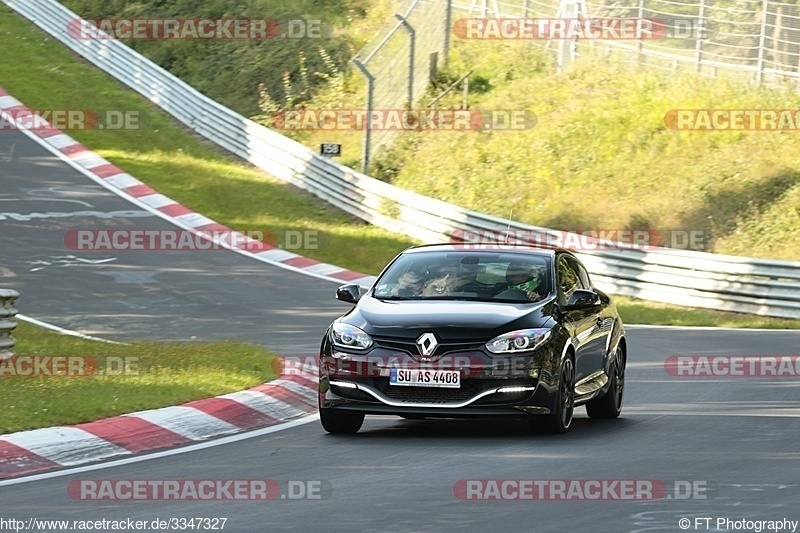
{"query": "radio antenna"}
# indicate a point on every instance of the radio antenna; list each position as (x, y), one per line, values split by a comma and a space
(508, 228)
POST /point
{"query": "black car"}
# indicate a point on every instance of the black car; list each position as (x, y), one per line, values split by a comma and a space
(457, 331)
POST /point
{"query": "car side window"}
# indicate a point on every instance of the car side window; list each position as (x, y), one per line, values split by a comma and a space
(582, 274)
(568, 278)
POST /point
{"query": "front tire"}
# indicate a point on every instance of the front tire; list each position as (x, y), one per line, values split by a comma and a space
(341, 422)
(560, 419)
(609, 405)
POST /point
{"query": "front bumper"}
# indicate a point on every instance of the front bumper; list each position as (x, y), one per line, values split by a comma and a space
(490, 386)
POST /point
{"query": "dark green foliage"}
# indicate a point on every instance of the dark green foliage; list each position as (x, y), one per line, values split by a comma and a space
(231, 71)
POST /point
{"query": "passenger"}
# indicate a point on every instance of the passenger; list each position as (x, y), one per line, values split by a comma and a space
(441, 280)
(453, 279)
(409, 284)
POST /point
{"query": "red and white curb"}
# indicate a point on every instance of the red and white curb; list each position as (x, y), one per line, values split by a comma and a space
(28, 452)
(281, 400)
(123, 184)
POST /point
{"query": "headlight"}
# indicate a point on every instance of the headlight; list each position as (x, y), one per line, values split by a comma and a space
(349, 336)
(524, 340)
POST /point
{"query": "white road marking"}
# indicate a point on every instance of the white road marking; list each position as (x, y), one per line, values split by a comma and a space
(166, 453)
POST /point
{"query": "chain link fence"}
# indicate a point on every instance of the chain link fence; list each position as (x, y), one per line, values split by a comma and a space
(757, 37)
(398, 62)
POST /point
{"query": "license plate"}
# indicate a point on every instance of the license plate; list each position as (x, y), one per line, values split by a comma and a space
(420, 377)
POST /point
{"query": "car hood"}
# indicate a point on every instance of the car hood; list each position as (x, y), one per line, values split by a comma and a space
(450, 319)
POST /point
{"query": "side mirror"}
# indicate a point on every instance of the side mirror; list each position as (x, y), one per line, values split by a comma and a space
(349, 293)
(582, 299)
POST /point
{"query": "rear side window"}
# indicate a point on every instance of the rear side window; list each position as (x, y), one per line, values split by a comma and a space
(582, 274)
(568, 277)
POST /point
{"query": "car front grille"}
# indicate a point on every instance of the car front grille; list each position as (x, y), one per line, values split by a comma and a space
(410, 347)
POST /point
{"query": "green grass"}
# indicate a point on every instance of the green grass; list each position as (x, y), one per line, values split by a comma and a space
(640, 312)
(160, 374)
(601, 156)
(463, 168)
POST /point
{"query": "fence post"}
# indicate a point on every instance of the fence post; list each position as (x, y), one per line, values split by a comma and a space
(367, 146)
(566, 48)
(762, 42)
(777, 46)
(640, 15)
(412, 35)
(7, 325)
(698, 49)
(448, 27)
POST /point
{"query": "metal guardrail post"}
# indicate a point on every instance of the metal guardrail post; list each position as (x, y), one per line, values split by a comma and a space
(365, 153)
(448, 27)
(7, 325)
(640, 44)
(701, 24)
(412, 36)
(567, 49)
(762, 42)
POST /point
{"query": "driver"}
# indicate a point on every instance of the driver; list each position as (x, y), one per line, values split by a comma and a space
(441, 282)
(526, 278)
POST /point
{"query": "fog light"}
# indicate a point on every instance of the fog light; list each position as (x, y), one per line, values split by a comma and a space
(344, 384)
(515, 389)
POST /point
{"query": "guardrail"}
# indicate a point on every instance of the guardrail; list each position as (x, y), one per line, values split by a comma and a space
(763, 287)
(7, 325)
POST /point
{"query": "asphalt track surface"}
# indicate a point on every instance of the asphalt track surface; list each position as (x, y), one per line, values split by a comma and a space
(203, 294)
(735, 437)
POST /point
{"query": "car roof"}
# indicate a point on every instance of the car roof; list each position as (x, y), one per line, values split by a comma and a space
(487, 247)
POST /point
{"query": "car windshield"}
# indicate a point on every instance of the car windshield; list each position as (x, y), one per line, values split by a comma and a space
(485, 276)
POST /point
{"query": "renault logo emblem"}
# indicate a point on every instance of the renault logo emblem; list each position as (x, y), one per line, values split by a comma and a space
(427, 344)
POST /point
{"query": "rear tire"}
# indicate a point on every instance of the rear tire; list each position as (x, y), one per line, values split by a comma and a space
(560, 419)
(609, 405)
(341, 422)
